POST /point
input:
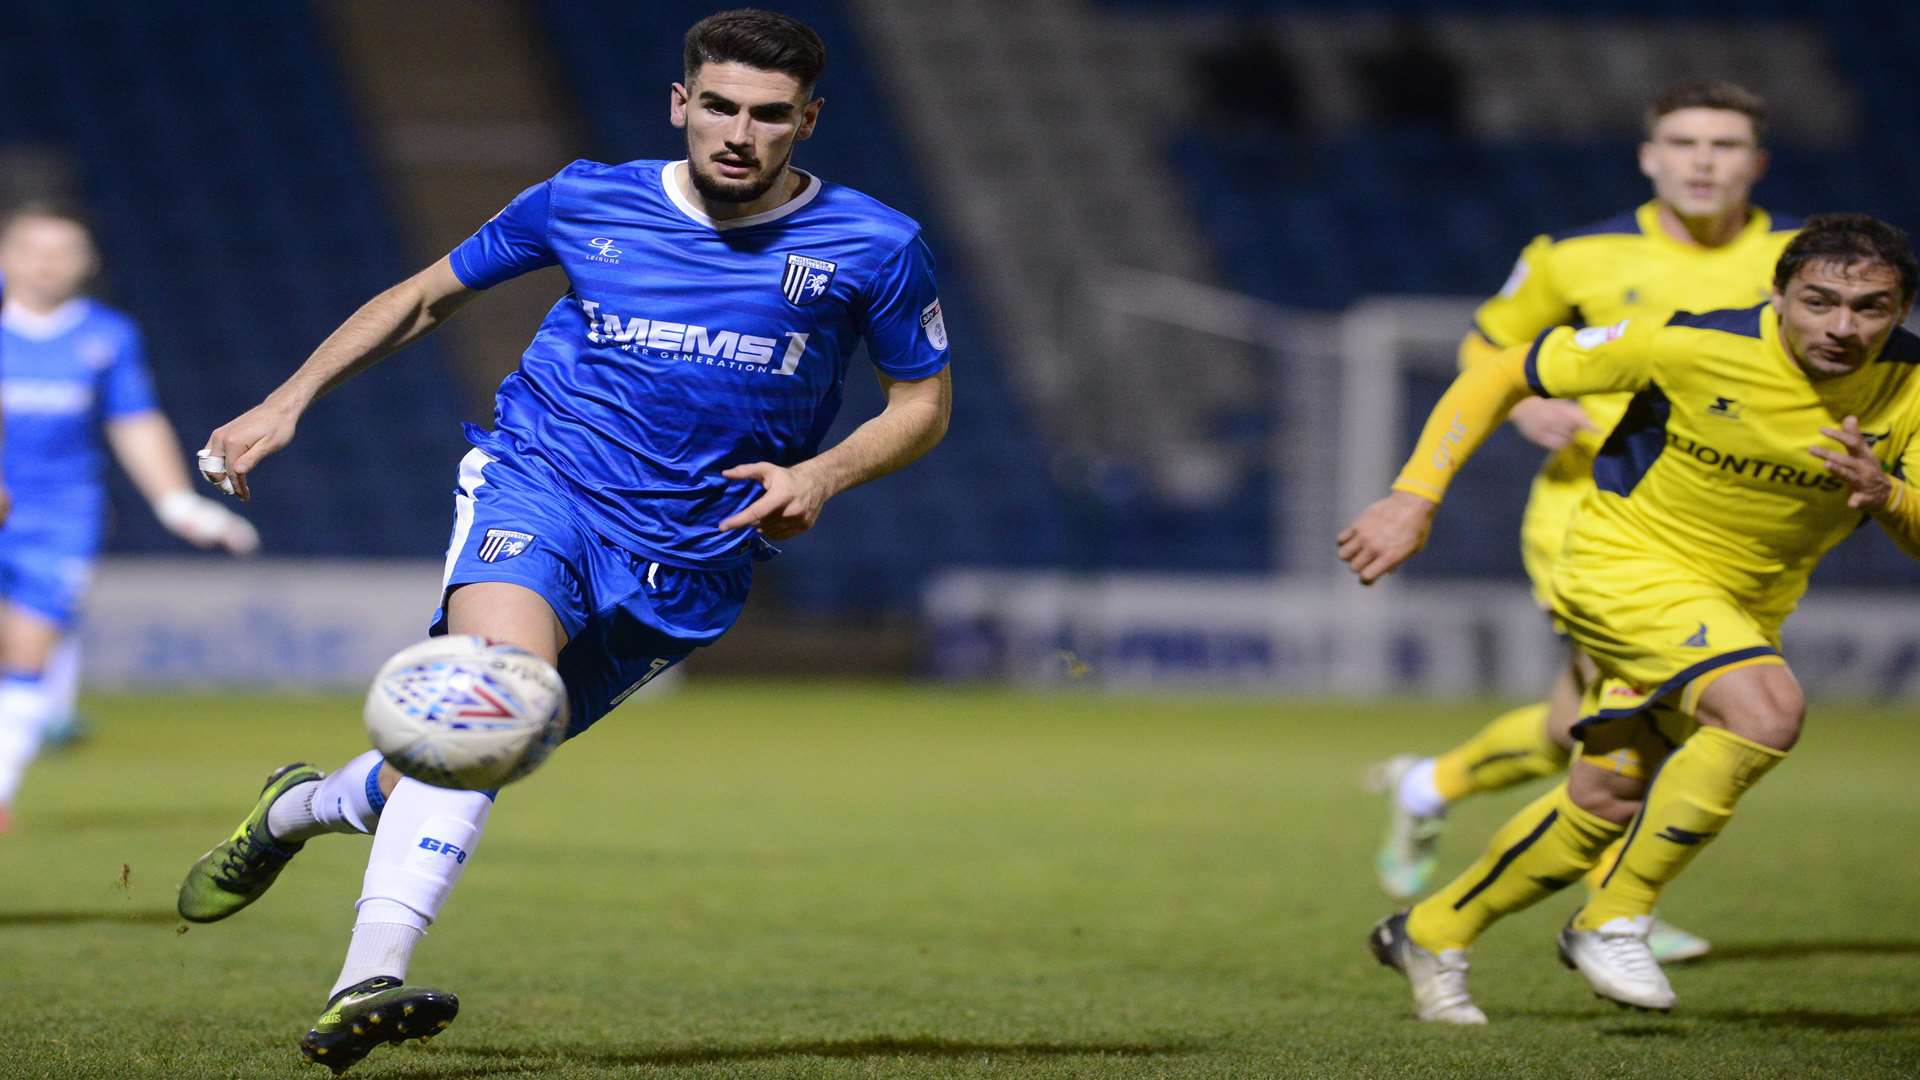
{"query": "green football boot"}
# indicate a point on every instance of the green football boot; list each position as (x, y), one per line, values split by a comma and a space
(380, 1010)
(238, 869)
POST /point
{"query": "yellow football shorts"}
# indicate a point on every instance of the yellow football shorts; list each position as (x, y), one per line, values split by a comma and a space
(1661, 634)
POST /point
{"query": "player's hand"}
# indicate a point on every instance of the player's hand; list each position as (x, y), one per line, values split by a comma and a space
(789, 505)
(1386, 534)
(236, 447)
(1870, 485)
(1550, 423)
(204, 523)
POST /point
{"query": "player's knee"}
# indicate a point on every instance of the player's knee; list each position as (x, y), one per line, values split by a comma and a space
(1604, 794)
(1771, 712)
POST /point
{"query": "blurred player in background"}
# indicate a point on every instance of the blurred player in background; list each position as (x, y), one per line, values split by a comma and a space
(73, 373)
(663, 427)
(1697, 245)
(1756, 439)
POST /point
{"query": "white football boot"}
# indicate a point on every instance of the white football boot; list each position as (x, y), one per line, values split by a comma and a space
(1618, 964)
(1672, 945)
(1407, 856)
(1439, 981)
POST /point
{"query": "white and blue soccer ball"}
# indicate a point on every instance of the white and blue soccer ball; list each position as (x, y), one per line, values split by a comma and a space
(461, 711)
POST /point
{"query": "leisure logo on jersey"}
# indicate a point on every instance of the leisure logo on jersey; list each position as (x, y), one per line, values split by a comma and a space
(503, 544)
(807, 278)
(607, 253)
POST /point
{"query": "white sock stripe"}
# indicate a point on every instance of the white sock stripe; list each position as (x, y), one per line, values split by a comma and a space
(471, 478)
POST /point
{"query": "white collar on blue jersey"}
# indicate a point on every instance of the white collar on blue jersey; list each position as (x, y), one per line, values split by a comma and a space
(670, 183)
(46, 326)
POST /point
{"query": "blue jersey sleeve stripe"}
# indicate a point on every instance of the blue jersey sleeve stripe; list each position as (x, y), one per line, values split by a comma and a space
(1533, 363)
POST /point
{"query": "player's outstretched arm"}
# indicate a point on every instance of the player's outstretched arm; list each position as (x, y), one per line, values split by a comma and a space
(1890, 499)
(390, 321)
(1548, 423)
(1389, 532)
(913, 422)
(145, 445)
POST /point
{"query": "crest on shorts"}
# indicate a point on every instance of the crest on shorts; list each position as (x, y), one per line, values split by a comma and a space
(503, 544)
(807, 278)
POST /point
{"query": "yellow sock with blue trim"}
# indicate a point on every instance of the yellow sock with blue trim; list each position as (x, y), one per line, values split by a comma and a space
(1510, 749)
(1597, 876)
(1539, 851)
(1690, 802)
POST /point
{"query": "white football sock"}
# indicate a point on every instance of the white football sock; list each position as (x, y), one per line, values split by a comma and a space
(384, 936)
(1417, 794)
(61, 680)
(347, 800)
(24, 713)
(423, 842)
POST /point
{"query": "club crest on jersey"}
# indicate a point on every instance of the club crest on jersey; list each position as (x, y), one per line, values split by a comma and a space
(503, 544)
(807, 278)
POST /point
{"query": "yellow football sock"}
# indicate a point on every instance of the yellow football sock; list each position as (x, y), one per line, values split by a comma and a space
(1542, 849)
(1690, 801)
(1512, 748)
(1598, 875)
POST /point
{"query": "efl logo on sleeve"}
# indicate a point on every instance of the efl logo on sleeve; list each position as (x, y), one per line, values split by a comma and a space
(1595, 336)
(935, 324)
(501, 544)
(807, 278)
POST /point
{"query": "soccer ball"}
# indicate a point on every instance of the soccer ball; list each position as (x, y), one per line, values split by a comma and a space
(464, 712)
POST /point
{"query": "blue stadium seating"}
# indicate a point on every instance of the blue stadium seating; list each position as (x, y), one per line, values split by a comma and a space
(240, 222)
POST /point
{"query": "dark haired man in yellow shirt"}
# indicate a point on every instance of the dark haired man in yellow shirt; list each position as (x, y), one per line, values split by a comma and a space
(1754, 440)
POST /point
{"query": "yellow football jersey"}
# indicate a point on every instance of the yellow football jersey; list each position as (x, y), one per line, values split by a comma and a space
(1708, 471)
(1596, 276)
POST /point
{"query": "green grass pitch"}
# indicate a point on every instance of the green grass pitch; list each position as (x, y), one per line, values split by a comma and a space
(829, 880)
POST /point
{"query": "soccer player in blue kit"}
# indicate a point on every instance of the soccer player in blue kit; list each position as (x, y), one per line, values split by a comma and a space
(74, 373)
(663, 428)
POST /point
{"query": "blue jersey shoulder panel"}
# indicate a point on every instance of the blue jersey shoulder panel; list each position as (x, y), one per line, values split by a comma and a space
(1626, 224)
(1742, 321)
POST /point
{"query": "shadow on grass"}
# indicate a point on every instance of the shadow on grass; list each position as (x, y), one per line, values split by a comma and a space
(1649, 1026)
(509, 1059)
(143, 916)
(1813, 1019)
(1796, 950)
(132, 819)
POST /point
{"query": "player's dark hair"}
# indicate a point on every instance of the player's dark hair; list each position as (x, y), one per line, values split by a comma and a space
(766, 40)
(1849, 239)
(45, 208)
(1711, 94)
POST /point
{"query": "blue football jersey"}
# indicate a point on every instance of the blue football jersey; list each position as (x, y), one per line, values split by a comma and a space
(688, 345)
(66, 372)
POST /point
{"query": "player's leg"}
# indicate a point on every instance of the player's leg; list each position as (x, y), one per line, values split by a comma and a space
(27, 638)
(62, 680)
(1542, 849)
(409, 880)
(1517, 746)
(1749, 718)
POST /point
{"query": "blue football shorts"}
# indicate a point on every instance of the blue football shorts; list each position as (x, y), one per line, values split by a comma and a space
(627, 618)
(46, 560)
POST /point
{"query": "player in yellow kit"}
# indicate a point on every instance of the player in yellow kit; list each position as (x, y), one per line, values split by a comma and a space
(1699, 245)
(1755, 440)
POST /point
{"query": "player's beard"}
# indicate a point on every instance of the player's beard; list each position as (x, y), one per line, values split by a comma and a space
(718, 189)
